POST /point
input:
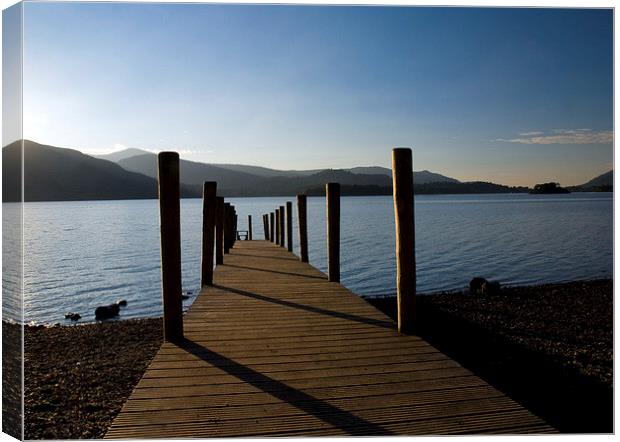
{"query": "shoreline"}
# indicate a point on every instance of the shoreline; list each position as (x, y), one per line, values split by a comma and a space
(368, 298)
(309, 196)
(78, 377)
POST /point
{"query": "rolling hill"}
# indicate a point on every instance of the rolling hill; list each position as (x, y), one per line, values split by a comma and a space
(606, 179)
(57, 174)
(143, 165)
(601, 183)
(193, 173)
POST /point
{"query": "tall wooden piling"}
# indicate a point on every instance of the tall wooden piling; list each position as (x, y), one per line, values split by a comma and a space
(332, 198)
(227, 227)
(282, 232)
(277, 226)
(170, 235)
(271, 226)
(289, 226)
(266, 226)
(250, 227)
(302, 221)
(402, 173)
(209, 208)
(219, 231)
(235, 227)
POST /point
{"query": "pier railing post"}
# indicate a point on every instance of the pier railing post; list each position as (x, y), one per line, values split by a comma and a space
(227, 227)
(266, 226)
(303, 227)
(209, 208)
(235, 227)
(219, 231)
(282, 214)
(277, 226)
(289, 226)
(332, 197)
(402, 173)
(170, 235)
(271, 226)
(250, 227)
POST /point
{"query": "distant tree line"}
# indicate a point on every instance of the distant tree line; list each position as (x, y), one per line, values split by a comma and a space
(549, 188)
(424, 189)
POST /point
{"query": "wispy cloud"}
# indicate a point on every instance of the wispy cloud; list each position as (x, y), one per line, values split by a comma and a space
(563, 136)
(529, 134)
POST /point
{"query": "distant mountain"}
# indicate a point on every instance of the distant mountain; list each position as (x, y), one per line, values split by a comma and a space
(194, 174)
(122, 154)
(54, 174)
(606, 179)
(265, 172)
(426, 177)
(601, 183)
(122, 157)
(238, 183)
(300, 184)
(57, 174)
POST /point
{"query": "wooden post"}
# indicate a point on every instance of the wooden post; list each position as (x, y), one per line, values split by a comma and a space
(271, 226)
(282, 215)
(332, 197)
(303, 227)
(170, 236)
(402, 173)
(219, 231)
(289, 226)
(235, 225)
(227, 227)
(277, 226)
(209, 207)
(250, 227)
(266, 226)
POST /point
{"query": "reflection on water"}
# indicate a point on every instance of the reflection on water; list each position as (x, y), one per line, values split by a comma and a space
(12, 262)
(84, 254)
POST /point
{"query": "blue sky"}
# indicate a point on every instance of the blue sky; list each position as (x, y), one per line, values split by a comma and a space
(515, 96)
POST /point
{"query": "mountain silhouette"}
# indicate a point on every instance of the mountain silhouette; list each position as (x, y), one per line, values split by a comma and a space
(57, 174)
(147, 167)
(606, 179)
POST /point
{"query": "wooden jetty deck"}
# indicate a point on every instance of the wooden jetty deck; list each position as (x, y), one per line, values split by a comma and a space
(274, 349)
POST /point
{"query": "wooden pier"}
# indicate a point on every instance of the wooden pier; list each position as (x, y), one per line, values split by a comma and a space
(275, 349)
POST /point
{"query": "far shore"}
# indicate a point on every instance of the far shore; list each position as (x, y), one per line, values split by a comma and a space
(549, 347)
(313, 194)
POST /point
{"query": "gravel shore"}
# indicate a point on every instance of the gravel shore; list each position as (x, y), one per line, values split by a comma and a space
(549, 347)
(78, 377)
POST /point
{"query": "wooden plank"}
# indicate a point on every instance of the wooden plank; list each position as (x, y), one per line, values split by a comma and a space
(426, 391)
(274, 349)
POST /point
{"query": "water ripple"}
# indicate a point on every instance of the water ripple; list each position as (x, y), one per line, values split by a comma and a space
(84, 254)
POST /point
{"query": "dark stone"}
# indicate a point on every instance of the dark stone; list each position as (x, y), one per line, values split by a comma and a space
(122, 303)
(490, 288)
(184, 297)
(107, 311)
(475, 285)
(72, 316)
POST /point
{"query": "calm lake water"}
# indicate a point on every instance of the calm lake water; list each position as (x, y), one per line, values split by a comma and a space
(80, 255)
